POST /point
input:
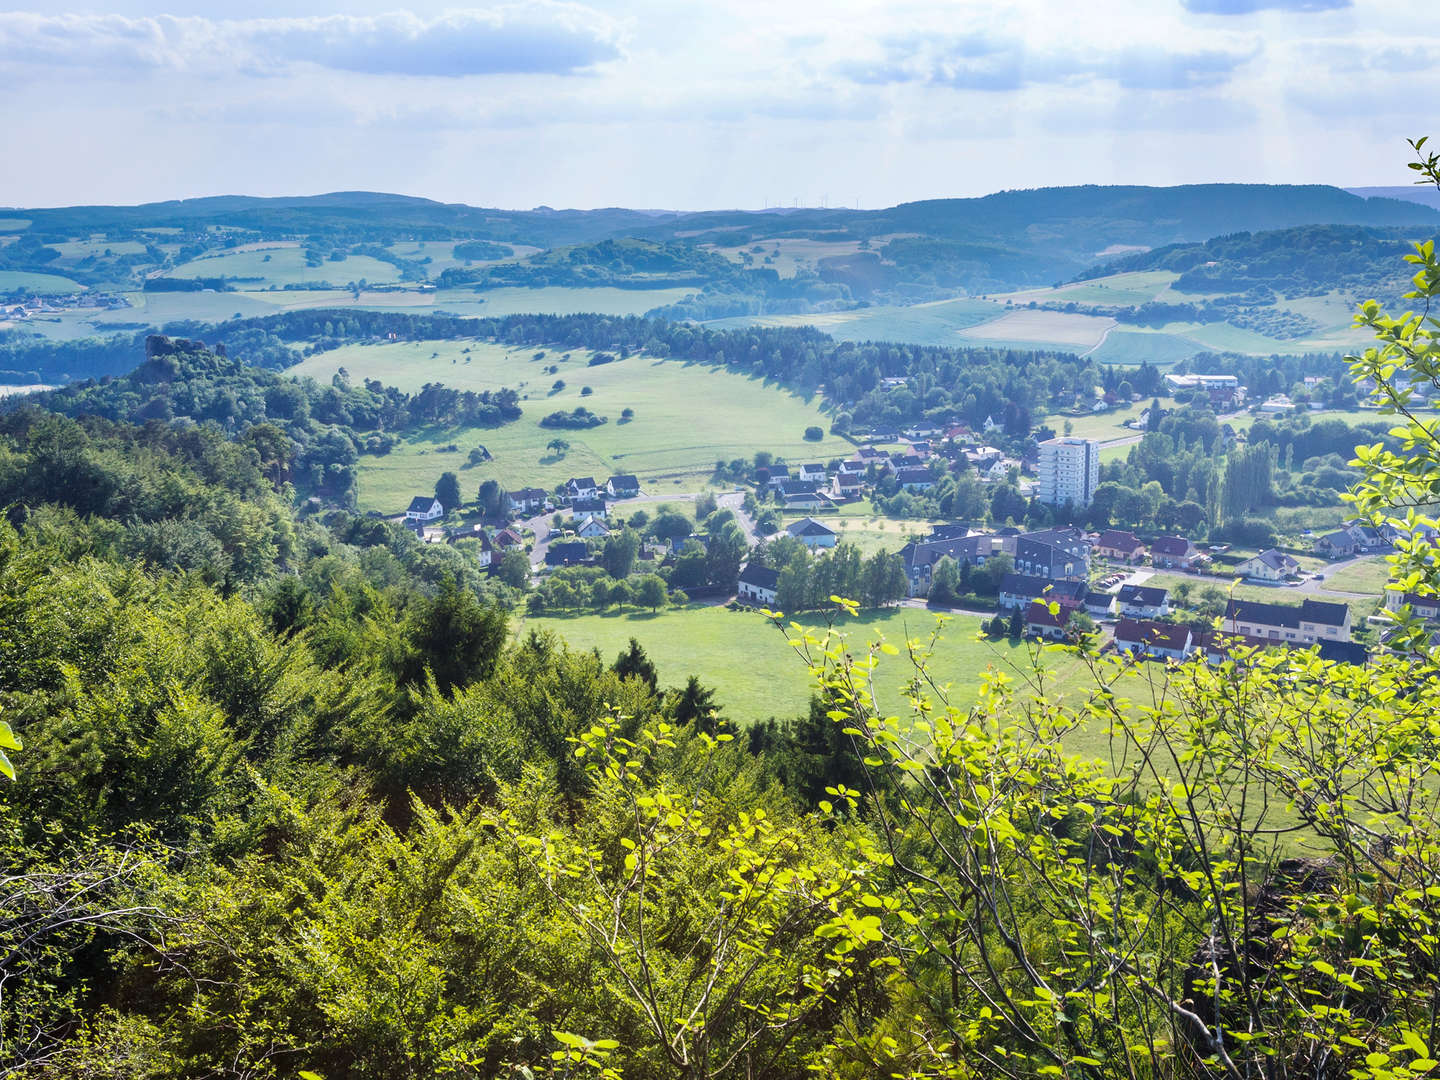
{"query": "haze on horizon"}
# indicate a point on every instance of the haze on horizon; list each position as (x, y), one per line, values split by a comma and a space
(646, 103)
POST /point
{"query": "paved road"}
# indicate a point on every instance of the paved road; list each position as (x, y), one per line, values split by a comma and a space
(735, 502)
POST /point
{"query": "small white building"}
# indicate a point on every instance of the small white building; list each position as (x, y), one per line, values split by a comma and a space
(812, 533)
(1269, 565)
(424, 508)
(758, 585)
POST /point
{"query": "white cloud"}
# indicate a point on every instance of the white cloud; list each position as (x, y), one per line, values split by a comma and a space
(537, 37)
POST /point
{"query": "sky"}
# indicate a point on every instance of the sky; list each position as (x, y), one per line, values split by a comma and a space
(700, 105)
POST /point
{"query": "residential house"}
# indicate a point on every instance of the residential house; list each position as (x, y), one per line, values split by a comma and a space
(509, 540)
(814, 472)
(916, 478)
(990, 425)
(919, 557)
(585, 509)
(1099, 605)
(852, 468)
(580, 487)
(868, 455)
(1154, 640)
(1018, 590)
(812, 533)
(424, 508)
(1311, 621)
(1174, 551)
(758, 585)
(527, 501)
(1041, 622)
(849, 485)
(982, 457)
(1271, 565)
(1142, 602)
(954, 530)
(1224, 391)
(1119, 545)
(789, 486)
(623, 486)
(567, 553)
(811, 500)
(593, 528)
(1339, 544)
(1421, 607)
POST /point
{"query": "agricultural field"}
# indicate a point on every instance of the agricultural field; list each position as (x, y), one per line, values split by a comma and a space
(789, 255)
(932, 323)
(686, 417)
(1044, 329)
(1131, 347)
(30, 281)
(14, 224)
(756, 675)
(441, 254)
(1117, 289)
(283, 266)
(158, 308)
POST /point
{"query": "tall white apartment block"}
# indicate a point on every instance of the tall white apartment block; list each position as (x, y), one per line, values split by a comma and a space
(1069, 471)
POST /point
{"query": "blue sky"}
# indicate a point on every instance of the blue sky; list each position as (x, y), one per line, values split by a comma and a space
(698, 105)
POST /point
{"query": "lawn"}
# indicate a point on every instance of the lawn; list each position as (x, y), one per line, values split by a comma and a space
(286, 266)
(1103, 426)
(1369, 576)
(756, 675)
(686, 417)
(44, 284)
(871, 533)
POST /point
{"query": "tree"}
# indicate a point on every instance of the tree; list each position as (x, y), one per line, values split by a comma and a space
(618, 554)
(814, 433)
(944, 581)
(447, 490)
(649, 591)
(558, 446)
(1017, 624)
(454, 637)
(627, 414)
(633, 663)
(493, 500)
(695, 705)
(514, 569)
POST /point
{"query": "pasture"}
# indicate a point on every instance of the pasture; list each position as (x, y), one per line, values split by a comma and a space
(42, 284)
(686, 417)
(1103, 426)
(1118, 290)
(1053, 329)
(286, 266)
(933, 323)
(756, 675)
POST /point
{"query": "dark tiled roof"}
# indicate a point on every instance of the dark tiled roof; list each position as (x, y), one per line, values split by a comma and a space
(760, 577)
(1032, 587)
(1284, 615)
(1170, 545)
(1040, 615)
(421, 504)
(1144, 595)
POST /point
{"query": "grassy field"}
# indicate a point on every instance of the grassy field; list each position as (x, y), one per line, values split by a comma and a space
(1102, 426)
(686, 417)
(1057, 329)
(756, 675)
(29, 281)
(934, 323)
(14, 224)
(1369, 576)
(286, 266)
(1133, 347)
(1117, 289)
(871, 533)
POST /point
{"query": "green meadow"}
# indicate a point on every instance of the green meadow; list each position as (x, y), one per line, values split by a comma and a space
(756, 674)
(30, 281)
(286, 266)
(686, 417)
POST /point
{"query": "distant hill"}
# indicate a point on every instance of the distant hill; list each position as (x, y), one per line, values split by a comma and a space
(1418, 193)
